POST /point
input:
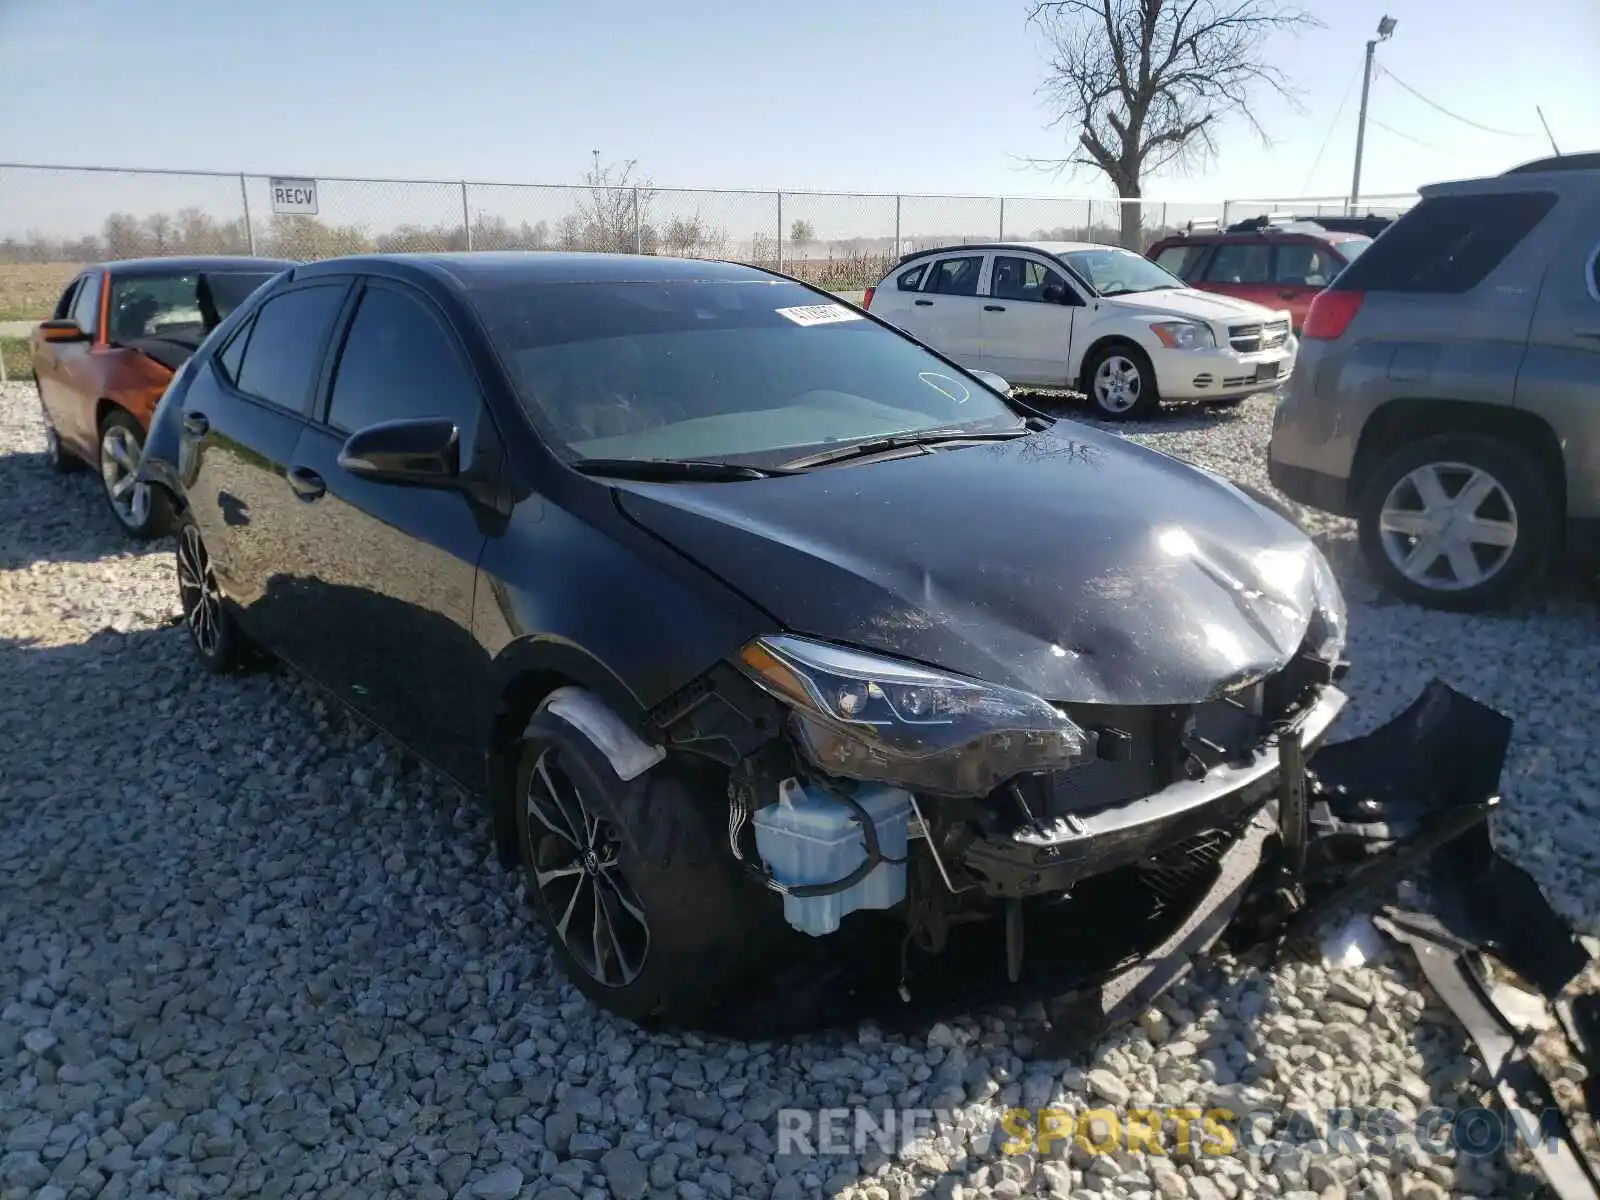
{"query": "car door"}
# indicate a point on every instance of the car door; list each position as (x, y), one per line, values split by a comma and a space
(1026, 338)
(67, 371)
(241, 418)
(1243, 270)
(947, 313)
(385, 618)
(46, 356)
(1301, 269)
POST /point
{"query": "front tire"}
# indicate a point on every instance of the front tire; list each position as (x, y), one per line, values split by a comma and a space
(143, 510)
(1121, 384)
(217, 640)
(644, 908)
(1458, 522)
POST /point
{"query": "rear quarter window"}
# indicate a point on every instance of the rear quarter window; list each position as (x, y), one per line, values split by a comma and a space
(911, 280)
(1447, 244)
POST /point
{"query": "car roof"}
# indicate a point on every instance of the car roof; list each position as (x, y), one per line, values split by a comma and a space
(176, 264)
(1250, 235)
(471, 269)
(1050, 248)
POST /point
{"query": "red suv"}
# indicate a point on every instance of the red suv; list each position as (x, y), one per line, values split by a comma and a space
(1278, 263)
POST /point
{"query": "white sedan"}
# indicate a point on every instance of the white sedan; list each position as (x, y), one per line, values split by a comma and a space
(1097, 319)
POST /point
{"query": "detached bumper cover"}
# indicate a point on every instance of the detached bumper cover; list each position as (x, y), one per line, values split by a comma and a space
(1051, 857)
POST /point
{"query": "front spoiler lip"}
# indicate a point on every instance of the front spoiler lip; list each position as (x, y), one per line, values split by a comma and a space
(1037, 860)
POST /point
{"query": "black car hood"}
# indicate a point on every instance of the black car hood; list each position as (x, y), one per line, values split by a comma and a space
(1071, 563)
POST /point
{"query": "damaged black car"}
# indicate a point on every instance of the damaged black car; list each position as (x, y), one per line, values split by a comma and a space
(748, 613)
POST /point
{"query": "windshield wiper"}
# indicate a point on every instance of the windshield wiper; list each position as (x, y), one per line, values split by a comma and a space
(898, 441)
(672, 469)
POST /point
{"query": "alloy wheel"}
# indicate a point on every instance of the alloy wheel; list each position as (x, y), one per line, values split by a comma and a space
(594, 909)
(199, 594)
(1117, 383)
(120, 454)
(1452, 516)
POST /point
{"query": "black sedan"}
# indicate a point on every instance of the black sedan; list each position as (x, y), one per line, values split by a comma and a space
(742, 608)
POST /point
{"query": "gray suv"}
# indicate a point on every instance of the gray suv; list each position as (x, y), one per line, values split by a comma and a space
(1447, 393)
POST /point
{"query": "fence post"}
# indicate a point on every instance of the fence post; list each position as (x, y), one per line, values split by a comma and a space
(249, 229)
(897, 225)
(1002, 236)
(638, 233)
(1225, 204)
(466, 219)
(780, 231)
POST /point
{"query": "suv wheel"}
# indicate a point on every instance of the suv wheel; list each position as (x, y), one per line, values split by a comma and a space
(642, 903)
(1458, 522)
(1121, 384)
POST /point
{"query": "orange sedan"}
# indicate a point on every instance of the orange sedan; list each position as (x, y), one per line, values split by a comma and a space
(118, 335)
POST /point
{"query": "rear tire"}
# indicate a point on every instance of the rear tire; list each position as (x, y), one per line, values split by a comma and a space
(674, 922)
(1120, 383)
(215, 635)
(1428, 540)
(143, 510)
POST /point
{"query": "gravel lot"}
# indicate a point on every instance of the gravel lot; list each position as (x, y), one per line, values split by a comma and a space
(245, 951)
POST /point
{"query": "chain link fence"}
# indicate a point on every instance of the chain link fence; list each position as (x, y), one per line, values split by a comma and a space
(52, 219)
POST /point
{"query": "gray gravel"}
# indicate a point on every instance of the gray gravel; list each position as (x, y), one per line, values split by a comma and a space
(246, 950)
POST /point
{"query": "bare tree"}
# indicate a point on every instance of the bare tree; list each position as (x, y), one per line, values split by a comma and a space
(617, 204)
(1147, 84)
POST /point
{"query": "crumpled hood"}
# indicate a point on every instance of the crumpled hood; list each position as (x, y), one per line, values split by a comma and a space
(1071, 563)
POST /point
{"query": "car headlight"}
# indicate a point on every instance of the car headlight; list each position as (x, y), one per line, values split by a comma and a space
(1330, 623)
(1184, 335)
(876, 719)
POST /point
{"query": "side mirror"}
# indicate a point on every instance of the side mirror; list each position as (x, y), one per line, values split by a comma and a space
(62, 331)
(1054, 293)
(995, 381)
(422, 452)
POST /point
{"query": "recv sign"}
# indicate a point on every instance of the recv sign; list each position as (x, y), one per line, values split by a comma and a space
(294, 197)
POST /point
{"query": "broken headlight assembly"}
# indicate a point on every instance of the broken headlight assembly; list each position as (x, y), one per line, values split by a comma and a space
(1330, 621)
(869, 718)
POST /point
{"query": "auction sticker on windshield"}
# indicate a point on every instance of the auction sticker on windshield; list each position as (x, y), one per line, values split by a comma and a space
(819, 314)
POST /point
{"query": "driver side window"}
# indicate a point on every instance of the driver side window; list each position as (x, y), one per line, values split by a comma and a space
(86, 307)
(1023, 279)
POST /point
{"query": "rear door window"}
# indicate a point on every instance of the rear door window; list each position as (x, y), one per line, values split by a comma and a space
(957, 276)
(399, 362)
(1240, 262)
(283, 354)
(1302, 264)
(1447, 244)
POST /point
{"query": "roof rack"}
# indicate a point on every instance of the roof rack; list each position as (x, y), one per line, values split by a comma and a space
(1204, 225)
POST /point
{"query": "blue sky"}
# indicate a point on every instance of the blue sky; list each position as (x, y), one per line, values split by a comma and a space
(882, 96)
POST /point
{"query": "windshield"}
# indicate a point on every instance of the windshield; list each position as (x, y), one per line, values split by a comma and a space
(746, 371)
(1114, 272)
(181, 307)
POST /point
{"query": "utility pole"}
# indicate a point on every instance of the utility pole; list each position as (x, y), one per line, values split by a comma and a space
(1385, 30)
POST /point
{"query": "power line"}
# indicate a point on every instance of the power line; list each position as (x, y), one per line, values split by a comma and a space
(1339, 112)
(1400, 134)
(1441, 108)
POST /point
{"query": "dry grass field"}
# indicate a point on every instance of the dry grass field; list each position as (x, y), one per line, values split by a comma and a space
(28, 291)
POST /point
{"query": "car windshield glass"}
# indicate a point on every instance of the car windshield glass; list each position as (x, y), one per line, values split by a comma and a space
(1113, 272)
(746, 370)
(181, 307)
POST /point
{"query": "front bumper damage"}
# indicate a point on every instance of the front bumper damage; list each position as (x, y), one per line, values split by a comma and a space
(1409, 801)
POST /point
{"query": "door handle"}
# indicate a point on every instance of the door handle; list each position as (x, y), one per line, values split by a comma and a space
(1588, 331)
(1288, 294)
(195, 424)
(307, 484)
(994, 308)
(923, 303)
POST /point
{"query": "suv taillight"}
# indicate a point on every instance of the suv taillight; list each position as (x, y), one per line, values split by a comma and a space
(1331, 313)
(866, 297)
